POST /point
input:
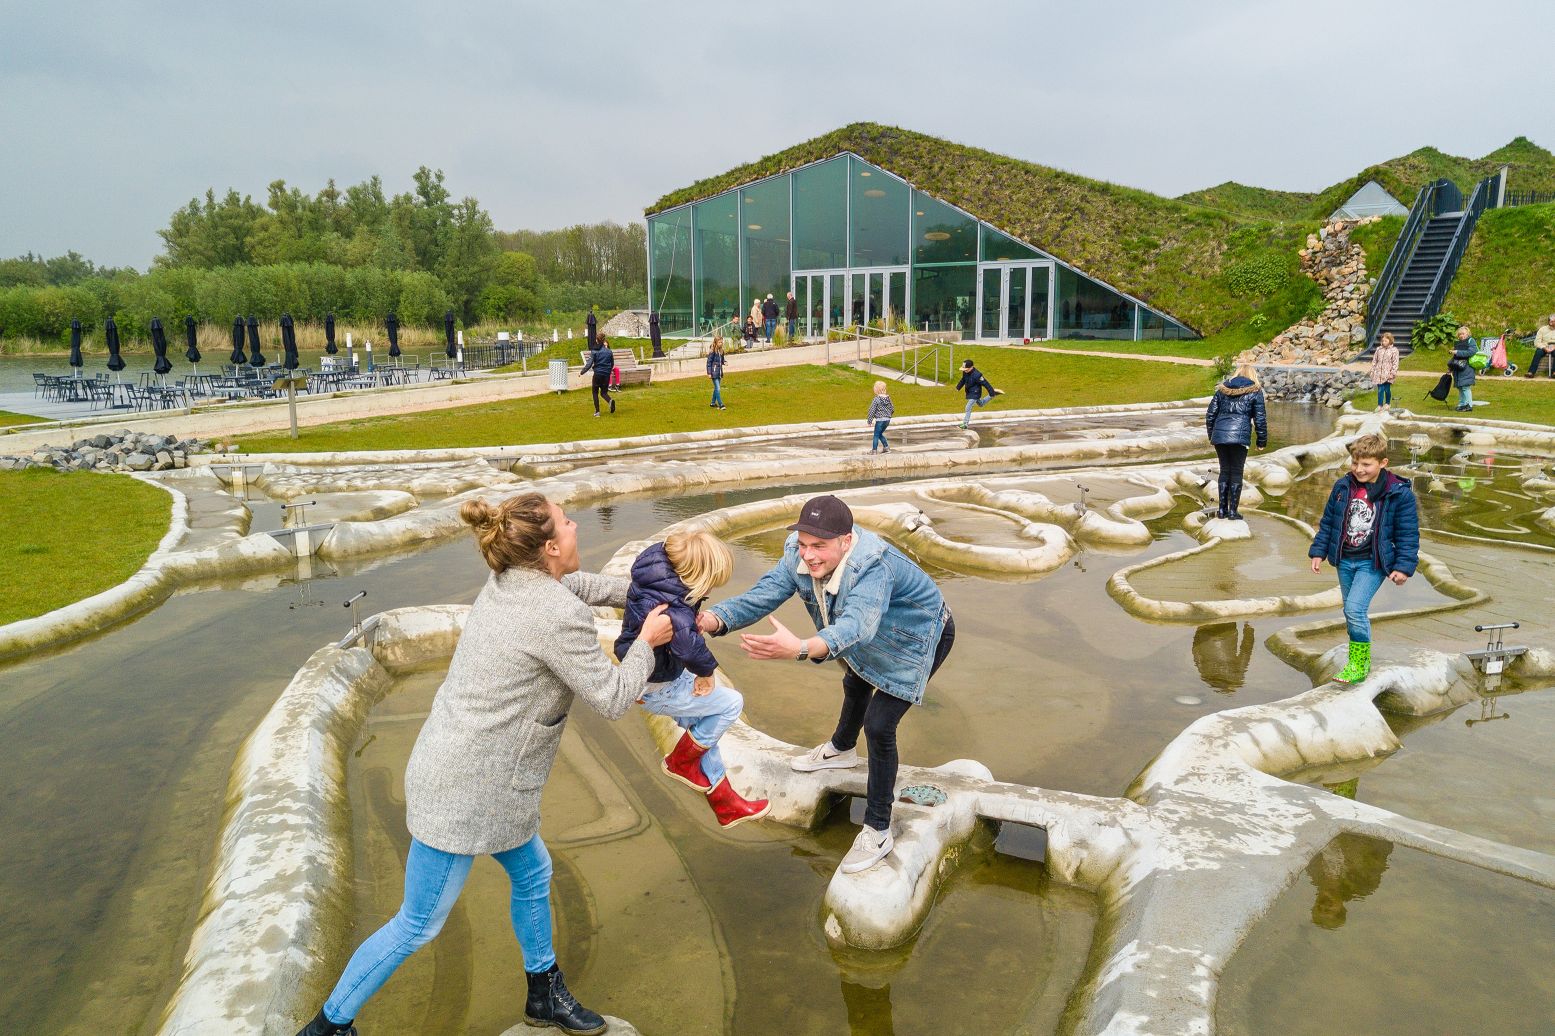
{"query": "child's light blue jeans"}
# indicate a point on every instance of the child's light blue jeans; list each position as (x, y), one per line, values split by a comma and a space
(1465, 395)
(706, 717)
(970, 403)
(433, 881)
(1359, 581)
(1385, 393)
(878, 442)
(718, 399)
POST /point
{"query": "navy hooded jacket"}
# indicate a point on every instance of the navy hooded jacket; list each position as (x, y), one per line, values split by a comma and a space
(655, 582)
(1395, 545)
(1234, 412)
(601, 360)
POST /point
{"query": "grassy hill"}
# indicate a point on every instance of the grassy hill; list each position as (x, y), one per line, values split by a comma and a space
(1507, 278)
(1183, 258)
(1533, 169)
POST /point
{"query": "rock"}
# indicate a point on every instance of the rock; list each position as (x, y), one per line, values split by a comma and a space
(102, 442)
(140, 461)
(164, 457)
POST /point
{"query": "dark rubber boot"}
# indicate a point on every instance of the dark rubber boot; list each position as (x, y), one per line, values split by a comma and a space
(551, 1003)
(1220, 511)
(321, 1026)
(1233, 501)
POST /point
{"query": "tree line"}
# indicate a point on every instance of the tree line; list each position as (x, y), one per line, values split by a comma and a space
(356, 253)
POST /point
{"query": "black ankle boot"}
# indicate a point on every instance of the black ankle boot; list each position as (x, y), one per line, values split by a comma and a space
(550, 1003)
(1233, 501)
(1220, 511)
(321, 1026)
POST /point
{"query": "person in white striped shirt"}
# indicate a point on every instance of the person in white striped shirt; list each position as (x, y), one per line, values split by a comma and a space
(880, 414)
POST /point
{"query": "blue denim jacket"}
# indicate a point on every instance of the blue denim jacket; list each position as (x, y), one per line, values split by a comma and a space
(886, 617)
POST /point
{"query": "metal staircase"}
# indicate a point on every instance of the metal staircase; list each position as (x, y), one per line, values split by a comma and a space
(1425, 258)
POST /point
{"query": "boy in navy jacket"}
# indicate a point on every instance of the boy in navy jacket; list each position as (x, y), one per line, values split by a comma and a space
(1371, 533)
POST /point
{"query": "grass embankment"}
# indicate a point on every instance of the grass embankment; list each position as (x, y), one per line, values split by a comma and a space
(69, 536)
(1507, 278)
(781, 396)
(1510, 399)
(8, 419)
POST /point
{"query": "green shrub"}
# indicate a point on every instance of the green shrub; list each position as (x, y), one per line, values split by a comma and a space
(1434, 332)
(1258, 277)
(1222, 366)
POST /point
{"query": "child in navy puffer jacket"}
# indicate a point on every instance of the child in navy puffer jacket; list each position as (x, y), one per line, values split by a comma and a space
(680, 573)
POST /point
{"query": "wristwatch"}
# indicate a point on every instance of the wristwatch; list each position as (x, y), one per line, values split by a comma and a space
(804, 651)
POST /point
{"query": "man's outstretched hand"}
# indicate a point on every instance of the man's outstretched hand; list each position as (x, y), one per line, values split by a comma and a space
(707, 622)
(780, 644)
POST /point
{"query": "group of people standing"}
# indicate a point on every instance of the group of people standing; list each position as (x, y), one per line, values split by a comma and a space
(763, 318)
(529, 649)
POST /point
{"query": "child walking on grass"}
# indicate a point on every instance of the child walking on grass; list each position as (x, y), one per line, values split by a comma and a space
(1384, 368)
(1371, 533)
(880, 414)
(680, 573)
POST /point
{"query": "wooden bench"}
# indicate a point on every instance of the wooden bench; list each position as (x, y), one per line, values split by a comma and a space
(632, 372)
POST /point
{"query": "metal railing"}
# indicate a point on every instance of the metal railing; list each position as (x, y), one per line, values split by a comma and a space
(1527, 198)
(1479, 201)
(1420, 214)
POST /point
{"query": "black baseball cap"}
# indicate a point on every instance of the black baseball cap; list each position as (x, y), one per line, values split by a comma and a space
(967, 363)
(824, 516)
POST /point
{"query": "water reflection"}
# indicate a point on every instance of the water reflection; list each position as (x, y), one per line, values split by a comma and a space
(1221, 657)
(1347, 869)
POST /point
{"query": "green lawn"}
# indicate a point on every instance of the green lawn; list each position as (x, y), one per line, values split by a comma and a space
(8, 419)
(1510, 399)
(785, 395)
(68, 536)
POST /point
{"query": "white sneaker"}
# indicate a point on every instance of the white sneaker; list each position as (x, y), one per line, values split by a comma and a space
(869, 848)
(825, 757)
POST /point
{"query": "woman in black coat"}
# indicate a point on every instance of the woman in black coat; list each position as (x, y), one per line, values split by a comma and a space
(1236, 410)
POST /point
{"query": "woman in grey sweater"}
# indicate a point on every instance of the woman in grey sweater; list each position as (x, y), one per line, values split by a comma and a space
(473, 784)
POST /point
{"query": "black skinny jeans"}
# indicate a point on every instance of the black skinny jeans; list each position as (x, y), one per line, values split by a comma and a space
(1232, 458)
(601, 388)
(877, 713)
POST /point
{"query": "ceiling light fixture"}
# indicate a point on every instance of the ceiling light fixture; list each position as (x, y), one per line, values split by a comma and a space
(874, 192)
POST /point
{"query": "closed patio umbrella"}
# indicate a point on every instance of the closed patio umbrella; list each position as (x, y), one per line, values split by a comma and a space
(450, 347)
(593, 323)
(111, 336)
(238, 357)
(391, 322)
(653, 333)
(192, 354)
(75, 346)
(329, 334)
(288, 342)
(255, 357)
(159, 346)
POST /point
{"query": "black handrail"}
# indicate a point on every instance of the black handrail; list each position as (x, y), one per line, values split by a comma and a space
(1478, 202)
(1393, 270)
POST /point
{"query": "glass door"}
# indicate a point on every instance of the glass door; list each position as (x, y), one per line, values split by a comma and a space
(1015, 303)
(990, 306)
(896, 298)
(836, 299)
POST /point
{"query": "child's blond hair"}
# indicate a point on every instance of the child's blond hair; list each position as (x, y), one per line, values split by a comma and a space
(1371, 446)
(702, 560)
(879, 388)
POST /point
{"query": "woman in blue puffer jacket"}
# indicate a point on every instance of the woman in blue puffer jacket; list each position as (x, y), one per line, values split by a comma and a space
(1235, 412)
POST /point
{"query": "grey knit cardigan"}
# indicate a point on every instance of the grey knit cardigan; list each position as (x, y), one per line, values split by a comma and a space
(529, 645)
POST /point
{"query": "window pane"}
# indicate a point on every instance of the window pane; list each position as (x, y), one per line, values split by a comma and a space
(1089, 310)
(1039, 300)
(989, 325)
(669, 269)
(821, 215)
(999, 248)
(764, 209)
(1151, 325)
(943, 298)
(878, 206)
(717, 260)
(940, 233)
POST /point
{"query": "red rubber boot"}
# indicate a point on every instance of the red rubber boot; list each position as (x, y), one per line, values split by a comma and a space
(684, 764)
(731, 809)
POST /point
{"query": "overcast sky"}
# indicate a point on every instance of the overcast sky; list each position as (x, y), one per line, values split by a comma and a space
(113, 114)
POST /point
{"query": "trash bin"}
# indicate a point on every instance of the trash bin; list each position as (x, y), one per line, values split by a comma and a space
(558, 375)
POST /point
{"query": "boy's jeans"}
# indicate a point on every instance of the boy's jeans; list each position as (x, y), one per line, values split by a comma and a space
(878, 442)
(970, 403)
(433, 881)
(706, 717)
(1359, 581)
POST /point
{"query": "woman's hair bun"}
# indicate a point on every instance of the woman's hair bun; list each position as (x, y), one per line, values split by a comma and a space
(480, 514)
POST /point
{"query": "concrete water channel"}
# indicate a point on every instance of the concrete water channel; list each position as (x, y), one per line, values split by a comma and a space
(115, 753)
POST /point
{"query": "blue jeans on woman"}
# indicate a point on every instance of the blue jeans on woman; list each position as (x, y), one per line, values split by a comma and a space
(718, 399)
(433, 881)
(878, 442)
(706, 717)
(1385, 393)
(1359, 581)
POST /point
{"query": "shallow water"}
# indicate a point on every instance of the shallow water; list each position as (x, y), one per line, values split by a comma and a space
(1380, 939)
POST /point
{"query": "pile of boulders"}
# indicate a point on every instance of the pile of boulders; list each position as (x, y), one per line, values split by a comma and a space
(1337, 334)
(1327, 386)
(121, 451)
(629, 323)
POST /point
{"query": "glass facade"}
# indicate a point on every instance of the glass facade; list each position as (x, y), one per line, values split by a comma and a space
(858, 245)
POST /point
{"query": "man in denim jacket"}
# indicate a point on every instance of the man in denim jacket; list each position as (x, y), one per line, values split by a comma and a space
(880, 616)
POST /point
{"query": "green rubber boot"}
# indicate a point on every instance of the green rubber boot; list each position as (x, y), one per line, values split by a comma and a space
(1359, 665)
